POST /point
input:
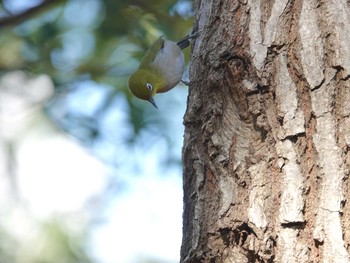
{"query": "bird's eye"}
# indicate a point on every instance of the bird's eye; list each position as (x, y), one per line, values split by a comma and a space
(149, 87)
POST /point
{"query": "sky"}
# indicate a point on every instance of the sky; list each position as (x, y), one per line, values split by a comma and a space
(145, 220)
(142, 220)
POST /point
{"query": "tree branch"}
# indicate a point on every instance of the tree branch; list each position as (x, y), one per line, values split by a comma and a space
(19, 18)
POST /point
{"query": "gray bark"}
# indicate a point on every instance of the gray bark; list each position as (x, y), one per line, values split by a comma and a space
(267, 133)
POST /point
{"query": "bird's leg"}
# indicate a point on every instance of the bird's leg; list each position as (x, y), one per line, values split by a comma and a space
(187, 83)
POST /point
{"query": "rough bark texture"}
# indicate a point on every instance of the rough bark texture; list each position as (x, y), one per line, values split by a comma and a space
(266, 149)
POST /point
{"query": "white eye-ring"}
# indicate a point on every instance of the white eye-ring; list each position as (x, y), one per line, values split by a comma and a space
(149, 86)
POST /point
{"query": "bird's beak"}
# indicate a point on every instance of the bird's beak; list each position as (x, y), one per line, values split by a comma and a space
(151, 100)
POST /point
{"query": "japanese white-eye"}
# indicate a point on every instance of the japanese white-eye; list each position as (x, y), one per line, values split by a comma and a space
(160, 69)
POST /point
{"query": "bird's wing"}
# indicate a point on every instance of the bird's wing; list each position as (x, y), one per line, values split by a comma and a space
(152, 52)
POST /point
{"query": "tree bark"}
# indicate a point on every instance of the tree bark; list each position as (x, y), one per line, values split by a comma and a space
(267, 133)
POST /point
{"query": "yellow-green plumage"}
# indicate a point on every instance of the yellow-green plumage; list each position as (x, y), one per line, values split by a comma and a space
(160, 70)
(151, 53)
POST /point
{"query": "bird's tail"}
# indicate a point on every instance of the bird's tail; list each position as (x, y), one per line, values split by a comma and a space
(185, 42)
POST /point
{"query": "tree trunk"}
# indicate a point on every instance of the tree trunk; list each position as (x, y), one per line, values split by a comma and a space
(267, 133)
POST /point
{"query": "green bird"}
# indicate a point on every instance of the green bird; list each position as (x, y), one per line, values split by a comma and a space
(160, 70)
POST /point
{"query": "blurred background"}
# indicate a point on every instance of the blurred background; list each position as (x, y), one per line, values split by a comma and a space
(87, 172)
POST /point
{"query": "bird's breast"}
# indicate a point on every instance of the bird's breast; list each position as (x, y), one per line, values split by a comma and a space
(170, 63)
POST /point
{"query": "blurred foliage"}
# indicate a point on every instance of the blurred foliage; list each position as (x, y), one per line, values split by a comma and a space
(99, 42)
(89, 48)
(51, 241)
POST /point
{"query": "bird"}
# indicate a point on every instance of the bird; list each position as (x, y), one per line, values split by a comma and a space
(160, 70)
